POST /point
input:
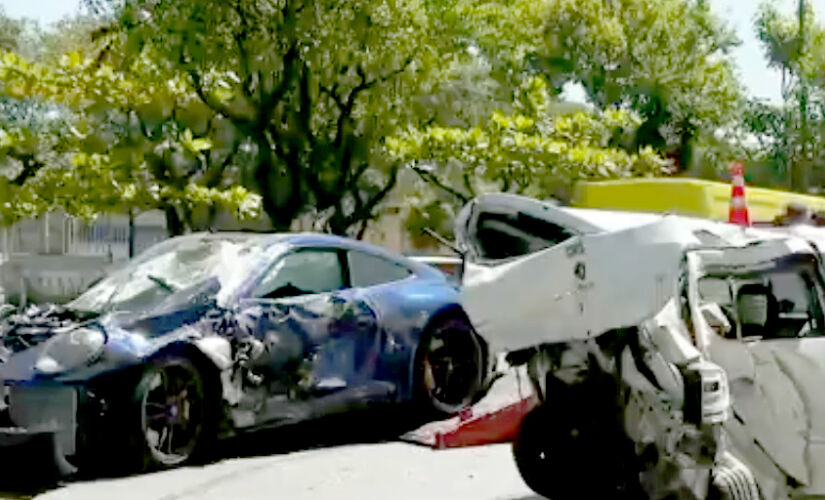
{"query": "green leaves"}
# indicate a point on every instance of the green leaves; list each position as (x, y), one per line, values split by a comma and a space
(71, 60)
(521, 151)
(536, 154)
(126, 142)
(665, 59)
(792, 135)
(195, 145)
(309, 88)
(315, 105)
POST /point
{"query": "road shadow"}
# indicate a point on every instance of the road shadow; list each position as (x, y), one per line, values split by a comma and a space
(25, 471)
(381, 424)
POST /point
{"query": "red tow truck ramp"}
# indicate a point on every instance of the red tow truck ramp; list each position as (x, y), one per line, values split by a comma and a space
(496, 418)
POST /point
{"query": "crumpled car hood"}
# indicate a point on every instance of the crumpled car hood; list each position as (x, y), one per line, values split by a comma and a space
(34, 325)
(22, 335)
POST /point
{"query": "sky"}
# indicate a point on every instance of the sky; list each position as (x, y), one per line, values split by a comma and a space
(44, 11)
(760, 81)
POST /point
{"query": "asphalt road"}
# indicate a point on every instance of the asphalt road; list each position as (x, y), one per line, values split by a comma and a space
(363, 471)
(354, 456)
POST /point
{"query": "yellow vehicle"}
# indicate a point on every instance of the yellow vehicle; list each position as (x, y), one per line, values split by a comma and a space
(690, 197)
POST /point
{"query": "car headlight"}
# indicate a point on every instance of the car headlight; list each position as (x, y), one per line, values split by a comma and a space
(69, 350)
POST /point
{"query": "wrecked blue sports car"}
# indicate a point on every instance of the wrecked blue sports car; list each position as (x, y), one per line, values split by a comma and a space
(205, 335)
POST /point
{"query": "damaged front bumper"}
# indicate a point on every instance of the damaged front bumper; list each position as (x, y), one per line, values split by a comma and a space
(28, 410)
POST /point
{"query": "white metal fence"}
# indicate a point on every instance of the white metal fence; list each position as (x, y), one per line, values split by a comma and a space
(104, 237)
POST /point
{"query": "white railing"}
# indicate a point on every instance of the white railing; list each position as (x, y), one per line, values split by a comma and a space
(103, 237)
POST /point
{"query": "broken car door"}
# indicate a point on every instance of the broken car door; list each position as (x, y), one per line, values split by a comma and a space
(772, 303)
(523, 277)
(382, 354)
(300, 307)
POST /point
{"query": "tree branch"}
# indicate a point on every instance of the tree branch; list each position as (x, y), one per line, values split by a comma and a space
(430, 177)
(214, 173)
(271, 101)
(345, 106)
(212, 103)
(244, 54)
(341, 144)
(366, 210)
(362, 229)
(467, 184)
(30, 167)
(353, 178)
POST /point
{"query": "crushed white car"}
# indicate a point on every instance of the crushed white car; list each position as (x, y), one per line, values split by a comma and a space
(676, 357)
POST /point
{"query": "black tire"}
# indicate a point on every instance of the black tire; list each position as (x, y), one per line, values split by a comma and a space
(565, 454)
(170, 415)
(450, 366)
(532, 452)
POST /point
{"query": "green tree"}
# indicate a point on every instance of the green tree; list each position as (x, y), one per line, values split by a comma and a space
(10, 32)
(118, 141)
(665, 59)
(535, 151)
(794, 132)
(312, 87)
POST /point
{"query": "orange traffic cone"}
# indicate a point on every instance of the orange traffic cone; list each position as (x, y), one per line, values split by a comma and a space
(738, 204)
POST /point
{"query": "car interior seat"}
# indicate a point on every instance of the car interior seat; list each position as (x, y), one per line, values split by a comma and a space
(756, 308)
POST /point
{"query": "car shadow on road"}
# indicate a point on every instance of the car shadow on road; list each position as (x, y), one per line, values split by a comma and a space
(24, 474)
(376, 425)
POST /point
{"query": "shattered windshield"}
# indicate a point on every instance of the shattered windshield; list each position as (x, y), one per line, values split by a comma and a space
(170, 270)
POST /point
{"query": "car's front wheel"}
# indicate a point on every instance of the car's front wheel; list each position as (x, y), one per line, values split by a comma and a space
(171, 421)
(450, 369)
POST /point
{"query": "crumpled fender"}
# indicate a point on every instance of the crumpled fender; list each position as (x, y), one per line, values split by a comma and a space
(126, 350)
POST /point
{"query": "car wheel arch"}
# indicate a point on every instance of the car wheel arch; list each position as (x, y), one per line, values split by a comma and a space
(206, 365)
(440, 315)
(118, 405)
(450, 311)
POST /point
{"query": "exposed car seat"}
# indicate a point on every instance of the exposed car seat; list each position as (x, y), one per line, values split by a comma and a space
(756, 308)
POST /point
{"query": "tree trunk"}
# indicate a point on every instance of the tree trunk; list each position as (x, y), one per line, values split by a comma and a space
(338, 223)
(799, 171)
(131, 233)
(276, 213)
(362, 230)
(174, 223)
(281, 213)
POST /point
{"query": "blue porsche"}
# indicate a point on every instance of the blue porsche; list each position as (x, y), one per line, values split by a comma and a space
(206, 335)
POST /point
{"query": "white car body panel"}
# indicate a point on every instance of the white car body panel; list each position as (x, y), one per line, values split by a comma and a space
(632, 265)
(630, 262)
